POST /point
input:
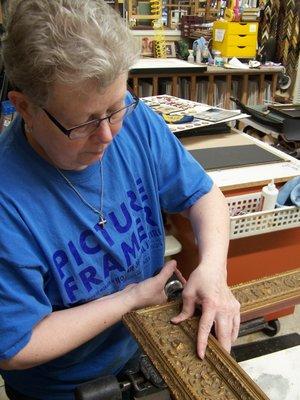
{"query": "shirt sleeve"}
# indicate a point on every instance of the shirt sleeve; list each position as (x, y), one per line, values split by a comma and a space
(181, 179)
(23, 302)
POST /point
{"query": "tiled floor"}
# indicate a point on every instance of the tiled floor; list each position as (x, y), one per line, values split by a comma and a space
(289, 324)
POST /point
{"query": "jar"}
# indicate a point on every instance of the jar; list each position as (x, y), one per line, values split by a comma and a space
(218, 61)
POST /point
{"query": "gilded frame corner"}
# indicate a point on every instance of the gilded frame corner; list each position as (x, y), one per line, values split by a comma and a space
(171, 348)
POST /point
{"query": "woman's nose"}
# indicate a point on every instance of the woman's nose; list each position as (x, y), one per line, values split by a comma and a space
(104, 132)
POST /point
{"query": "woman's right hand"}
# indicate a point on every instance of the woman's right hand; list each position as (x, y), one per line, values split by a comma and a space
(151, 291)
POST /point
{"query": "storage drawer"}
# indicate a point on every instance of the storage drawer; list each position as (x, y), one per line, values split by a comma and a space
(239, 51)
(241, 40)
(234, 39)
(239, 28)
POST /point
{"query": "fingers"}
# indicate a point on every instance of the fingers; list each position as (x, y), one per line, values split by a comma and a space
(227, 326)
(151, 291)
(172, 263)
(187, 311)
(165, 274)
(235, 327)
(205, 324)
(223, 328)
(167, 271)
(180, 276)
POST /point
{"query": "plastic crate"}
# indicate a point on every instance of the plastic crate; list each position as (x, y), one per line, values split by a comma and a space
(247, 220)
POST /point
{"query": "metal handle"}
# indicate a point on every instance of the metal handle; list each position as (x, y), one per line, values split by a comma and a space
(173, 287)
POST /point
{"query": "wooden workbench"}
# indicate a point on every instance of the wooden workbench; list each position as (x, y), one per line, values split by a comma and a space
(154, 70)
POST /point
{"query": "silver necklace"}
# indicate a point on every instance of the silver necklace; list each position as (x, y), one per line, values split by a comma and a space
(102, 220)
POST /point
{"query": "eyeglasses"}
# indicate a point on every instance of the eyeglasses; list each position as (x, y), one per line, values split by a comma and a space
(84, 130)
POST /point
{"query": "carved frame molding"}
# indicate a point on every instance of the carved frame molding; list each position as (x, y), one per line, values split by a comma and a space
(172, 348)
(268, 294)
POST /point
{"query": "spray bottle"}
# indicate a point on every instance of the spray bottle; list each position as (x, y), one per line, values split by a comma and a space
(269, 195)
(191, 58)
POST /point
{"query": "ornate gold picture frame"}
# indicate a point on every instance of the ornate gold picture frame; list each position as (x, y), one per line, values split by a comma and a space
(172, 348)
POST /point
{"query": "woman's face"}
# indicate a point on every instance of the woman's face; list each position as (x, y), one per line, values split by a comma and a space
(71, 107)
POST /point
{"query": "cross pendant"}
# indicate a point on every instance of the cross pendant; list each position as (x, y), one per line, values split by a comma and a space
(102, 221)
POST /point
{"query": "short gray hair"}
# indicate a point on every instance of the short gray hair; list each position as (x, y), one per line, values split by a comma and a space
(65, 41)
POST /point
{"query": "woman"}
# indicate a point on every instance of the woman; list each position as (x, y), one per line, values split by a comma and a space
(86, 169)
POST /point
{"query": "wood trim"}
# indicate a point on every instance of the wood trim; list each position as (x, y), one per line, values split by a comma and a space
(261, 91)
(228, 90)
(193, 95)
(210, 89)
(174, 86)
(274, 85)
(155, 86)
(136, 86)
(245, 88)
(171, 348)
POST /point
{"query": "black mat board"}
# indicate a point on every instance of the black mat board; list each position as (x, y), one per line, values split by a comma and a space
(247, 351)
(233, 156)
(204, 130)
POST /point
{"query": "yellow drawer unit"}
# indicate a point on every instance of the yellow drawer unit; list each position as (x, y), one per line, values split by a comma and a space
(235, 39)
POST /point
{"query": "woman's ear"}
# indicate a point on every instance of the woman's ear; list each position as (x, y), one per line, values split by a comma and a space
(22, 105)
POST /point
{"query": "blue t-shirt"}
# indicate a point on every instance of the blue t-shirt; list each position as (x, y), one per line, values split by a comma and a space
(54, 255)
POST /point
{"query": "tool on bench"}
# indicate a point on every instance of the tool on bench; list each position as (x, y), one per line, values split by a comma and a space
(143, 383)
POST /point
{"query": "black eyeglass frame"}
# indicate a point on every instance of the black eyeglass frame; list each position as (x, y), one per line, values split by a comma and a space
(68, 132)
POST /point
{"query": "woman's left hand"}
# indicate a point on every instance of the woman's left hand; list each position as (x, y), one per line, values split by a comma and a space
(219, 307)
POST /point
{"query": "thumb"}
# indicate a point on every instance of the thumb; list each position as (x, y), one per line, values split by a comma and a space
(167, 271)
(170, 264)
(188, 309)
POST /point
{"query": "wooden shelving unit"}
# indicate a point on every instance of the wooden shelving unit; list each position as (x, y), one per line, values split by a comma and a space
(208, 10)
(261, 76)
(173, 5)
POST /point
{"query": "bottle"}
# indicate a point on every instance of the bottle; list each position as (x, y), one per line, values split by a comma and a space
(198, 55)
(269, 195)
(218, 61)
(190, 58)
(205, 54)
(7, 113)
